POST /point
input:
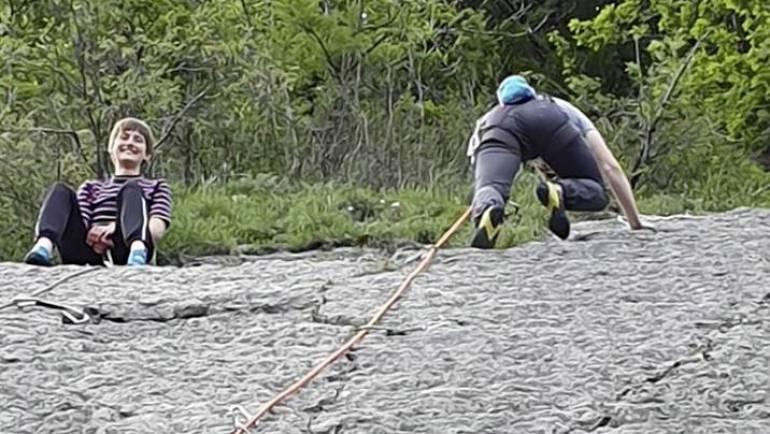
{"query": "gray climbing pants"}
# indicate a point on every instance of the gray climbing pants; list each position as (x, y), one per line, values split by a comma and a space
(496, 166)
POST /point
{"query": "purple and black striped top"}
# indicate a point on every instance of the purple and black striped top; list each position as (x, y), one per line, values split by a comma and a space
(98, 200)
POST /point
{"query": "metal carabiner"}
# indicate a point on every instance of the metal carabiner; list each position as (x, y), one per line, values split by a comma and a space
(70, 315)
(237, 412)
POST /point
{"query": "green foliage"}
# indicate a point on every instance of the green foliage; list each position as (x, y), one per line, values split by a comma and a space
(378, 94)
(310, 90)
(234, 88)
(263, 213)
(252, 214)
(696, 114)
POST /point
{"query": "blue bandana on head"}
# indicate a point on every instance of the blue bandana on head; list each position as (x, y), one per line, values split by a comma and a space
(514, 90)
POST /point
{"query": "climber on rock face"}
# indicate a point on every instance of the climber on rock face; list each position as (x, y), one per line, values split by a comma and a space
(526, 126)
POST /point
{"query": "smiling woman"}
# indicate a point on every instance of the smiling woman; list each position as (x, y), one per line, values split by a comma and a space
(121, 218)
(131, 143)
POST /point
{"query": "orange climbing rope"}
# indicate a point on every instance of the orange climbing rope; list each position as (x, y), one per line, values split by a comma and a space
(395, 296)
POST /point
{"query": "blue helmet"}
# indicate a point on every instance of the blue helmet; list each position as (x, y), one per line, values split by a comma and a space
(514, 90)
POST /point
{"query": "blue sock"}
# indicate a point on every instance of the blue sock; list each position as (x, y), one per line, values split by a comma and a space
(137, 257)
(39, 255)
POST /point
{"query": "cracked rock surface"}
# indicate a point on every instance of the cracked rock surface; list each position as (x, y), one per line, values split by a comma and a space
(610, 332)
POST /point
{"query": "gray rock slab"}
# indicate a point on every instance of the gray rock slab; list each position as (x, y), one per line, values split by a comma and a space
(610, 332)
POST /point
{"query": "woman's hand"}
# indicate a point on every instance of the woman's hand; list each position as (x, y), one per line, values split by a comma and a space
(100, 237)
(639, 225)
(645, 227)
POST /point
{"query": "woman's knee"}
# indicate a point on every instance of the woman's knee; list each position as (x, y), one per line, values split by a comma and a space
(130, 187)
(603, 199)
(61, 187)
(60, 191)
(131, 184)
(598, 199)
(131, 196)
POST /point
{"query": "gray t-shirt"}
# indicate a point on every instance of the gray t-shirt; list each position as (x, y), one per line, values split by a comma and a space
(577, 118)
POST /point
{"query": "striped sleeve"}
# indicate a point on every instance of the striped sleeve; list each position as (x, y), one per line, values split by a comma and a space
(85, 197)
(161, 202)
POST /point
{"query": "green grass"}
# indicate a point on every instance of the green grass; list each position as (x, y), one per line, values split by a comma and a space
(264, 214)
(267, 213)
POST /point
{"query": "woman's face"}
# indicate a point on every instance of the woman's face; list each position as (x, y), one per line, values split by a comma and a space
(129, 150)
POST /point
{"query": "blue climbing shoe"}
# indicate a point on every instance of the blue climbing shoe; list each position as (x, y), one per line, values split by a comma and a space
(39, 256)
(551, 196)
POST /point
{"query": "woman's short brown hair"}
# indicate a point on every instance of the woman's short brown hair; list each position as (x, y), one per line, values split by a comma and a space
(132, 124)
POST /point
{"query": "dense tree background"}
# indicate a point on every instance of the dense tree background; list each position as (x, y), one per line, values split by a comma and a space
(381, 93)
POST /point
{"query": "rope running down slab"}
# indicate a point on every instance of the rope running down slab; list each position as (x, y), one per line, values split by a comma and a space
(396, 295)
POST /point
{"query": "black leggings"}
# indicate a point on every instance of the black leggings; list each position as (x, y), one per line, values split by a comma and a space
(61, 222)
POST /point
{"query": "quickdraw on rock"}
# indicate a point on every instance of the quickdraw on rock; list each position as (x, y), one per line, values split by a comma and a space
(70, 314)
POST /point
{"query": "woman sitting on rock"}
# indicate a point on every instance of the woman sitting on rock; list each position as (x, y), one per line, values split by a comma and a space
(124, 216)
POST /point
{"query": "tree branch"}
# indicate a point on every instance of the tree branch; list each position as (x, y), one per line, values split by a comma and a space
(390, 19)
(72, 134)
(246, 13)
(335, 68)
(177, 117)
(540, 25)
(644, 152)
(376, 44)
(672, 85)
(80, 55)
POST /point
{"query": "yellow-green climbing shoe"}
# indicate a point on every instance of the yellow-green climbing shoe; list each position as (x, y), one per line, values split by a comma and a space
(487, 228)
(551, 196)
